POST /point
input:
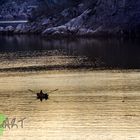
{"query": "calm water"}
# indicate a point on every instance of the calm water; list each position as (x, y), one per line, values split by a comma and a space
(90, 104)
(34, 53)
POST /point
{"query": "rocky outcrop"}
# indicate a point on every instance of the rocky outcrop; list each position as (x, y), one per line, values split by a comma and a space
(68, 31)
(73, 27)
(7, 30)
(17, 9)
(119, 18)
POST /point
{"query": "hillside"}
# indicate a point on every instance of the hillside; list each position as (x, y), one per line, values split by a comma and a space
(81, 17)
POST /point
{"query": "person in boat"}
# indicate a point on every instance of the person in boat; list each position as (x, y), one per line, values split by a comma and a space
(42, 96)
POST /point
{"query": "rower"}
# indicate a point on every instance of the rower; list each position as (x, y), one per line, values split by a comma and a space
(42, 96)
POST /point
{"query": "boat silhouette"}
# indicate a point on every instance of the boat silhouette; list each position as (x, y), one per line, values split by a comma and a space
(42, 96)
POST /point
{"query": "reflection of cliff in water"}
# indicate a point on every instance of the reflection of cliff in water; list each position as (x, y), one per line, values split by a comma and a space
(91, 53)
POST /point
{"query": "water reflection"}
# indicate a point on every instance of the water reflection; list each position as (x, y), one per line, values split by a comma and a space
(84, 53)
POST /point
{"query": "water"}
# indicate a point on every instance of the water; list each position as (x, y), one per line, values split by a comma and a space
(35, 53)
(90, 104)
(14, 23)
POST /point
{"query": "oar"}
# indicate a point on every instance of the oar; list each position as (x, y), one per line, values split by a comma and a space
(47, 92)
(52, 91)
(31, 90)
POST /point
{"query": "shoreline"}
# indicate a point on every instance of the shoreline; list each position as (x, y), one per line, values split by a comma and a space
(63, 67)
(55, 71)
(66, 32)
(104, 35)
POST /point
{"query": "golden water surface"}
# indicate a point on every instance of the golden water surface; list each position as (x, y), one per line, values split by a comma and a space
(89, 105)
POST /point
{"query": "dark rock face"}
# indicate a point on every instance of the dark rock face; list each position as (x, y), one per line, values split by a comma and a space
(63, 3)
(116, 16)
(80, 17)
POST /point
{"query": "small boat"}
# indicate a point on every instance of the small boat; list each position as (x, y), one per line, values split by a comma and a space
(42, 96)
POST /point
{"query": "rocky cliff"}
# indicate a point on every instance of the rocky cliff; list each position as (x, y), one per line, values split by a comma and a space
(79, 17)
